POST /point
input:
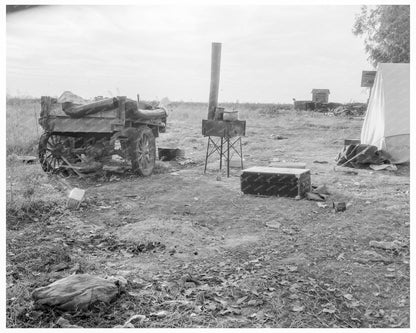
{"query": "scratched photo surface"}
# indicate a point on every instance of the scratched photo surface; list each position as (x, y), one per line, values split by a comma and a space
(207, 166)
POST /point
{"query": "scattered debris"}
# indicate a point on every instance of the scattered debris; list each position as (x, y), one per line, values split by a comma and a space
(319, 193)
(114, 178)
(378, 167)
(321, 205)
(339, 206)
(321, 162)
(321, 189)
(314, 196)
(115, 168)
(160, 314)
(64, 323)
(273, 224)
(76, 292)
(350, 109)
(394, 245)
(349, 172)
(297, 308)
(26, 159)
(170, 154)
(341, 256)
(136, 319)
(372, 256)
(277, 137)
(334, 109)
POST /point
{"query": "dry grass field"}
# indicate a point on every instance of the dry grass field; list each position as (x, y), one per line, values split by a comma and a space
(195, 251)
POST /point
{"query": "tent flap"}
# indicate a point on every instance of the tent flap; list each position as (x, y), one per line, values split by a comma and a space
(387, 121)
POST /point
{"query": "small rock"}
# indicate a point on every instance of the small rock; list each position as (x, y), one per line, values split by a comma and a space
(273, 224)
(348, 297)
(297, 308)
(64, 323)
(339, 206)
(136, 318)
(390, 276)
(160, 314)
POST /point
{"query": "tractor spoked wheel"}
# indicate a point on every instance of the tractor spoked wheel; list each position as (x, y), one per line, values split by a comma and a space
(51, 149)
(143, 151)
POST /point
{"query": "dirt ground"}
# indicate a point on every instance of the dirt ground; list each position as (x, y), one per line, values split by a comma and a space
(198, 253)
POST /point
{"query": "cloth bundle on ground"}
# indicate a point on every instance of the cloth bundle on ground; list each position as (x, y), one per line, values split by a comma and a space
(361, 156)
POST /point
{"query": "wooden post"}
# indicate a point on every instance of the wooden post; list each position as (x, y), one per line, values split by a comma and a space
(215, 79)
(45, 102)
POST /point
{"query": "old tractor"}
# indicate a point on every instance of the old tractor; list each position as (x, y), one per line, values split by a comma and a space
(88, 136)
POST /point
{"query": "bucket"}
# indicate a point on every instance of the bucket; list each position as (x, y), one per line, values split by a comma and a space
(75, 198)
(230, 115)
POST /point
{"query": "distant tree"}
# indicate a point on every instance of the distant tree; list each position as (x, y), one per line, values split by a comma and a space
(386, 32)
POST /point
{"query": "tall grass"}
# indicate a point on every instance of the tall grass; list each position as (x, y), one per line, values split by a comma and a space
(194, 112)
(22, 128)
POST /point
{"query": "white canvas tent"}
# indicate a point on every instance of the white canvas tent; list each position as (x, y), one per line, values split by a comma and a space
(387, 121)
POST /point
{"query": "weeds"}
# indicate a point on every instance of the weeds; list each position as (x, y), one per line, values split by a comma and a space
(22, 128)
(247, 283)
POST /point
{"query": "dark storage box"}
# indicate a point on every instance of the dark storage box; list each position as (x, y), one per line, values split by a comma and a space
(283, 182)
(224, 129)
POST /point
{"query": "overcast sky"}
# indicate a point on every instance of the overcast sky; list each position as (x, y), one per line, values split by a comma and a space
(269, 53)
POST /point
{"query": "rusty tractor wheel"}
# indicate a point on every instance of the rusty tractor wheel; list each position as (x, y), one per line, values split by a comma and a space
(143, 151)
(51, 149)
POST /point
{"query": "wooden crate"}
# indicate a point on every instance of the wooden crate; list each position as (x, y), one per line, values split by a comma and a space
(283, 182)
